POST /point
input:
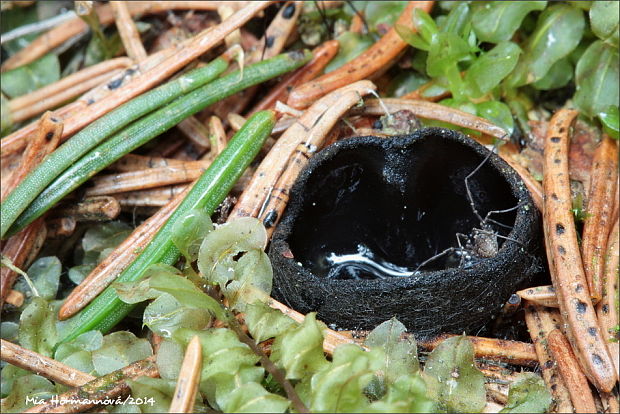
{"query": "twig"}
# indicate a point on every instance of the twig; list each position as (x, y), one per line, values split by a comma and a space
(108, 387)
(117, 260)
(564, 257)
(598, 223)
(274, 164)
(376, 59)
(46, 140)
(42, 365)
(128, 31)
(540, 321)
(430, 110)
(512, 352)
(269, 366)
(569, 368)
(540, 295)
(101, 208)
(607, 308)
(149, 178)
(58, 35)
(26, 106)
(189, 379)
(321, 56)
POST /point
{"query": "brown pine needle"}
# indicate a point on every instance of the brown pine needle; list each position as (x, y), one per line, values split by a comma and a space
(18, 249)
(321, 56)
(430, 110)
(540, 321)
(189, 379)
(157, 197)
(128, 31)
(133, 162)
(144, 179)
(607, 308)
(101, 208)
(569, 368)
(598, 223)
(42, 365)
(564, 257)
(108, 387)
(540, 295)
(512, 352)
(45, 141)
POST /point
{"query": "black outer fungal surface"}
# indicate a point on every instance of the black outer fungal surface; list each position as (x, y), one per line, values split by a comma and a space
(355, 191)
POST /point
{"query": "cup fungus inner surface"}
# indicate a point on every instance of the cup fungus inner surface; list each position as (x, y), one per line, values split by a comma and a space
(393, 218)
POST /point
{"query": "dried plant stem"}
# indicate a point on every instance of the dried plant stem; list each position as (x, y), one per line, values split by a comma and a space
(321, 56)
(16, 141)
(128, 31)
(157, 197)
(607, 308)
(58, 35)
(332, 338)
(532, 185)
(42, 365)
(65, 89)
(189, 379)
(598, 223)
(275, 163)
(565, 263)
(569, 368)
(540, 321)
(109, 387)
(269, 366)
(376, 59)
(46, 140)
(101, 208)
(430, 110)
(540, 295)
(134, 162)
(512, 352)
(117, 260)
(149, 178)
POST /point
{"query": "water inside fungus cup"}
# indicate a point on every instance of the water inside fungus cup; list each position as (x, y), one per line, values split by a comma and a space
(369, 217)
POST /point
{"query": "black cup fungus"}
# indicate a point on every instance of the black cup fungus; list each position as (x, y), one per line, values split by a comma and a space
(373, 229)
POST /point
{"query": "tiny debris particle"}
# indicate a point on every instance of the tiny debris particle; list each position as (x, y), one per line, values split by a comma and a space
(559, 228)
(555, 139)
(561, 250)
(49, 136)
(592, 331)
(597, 359)
(269, 41)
